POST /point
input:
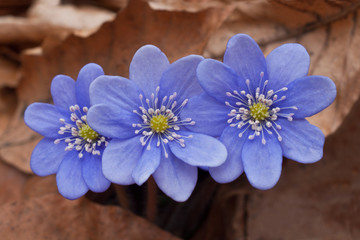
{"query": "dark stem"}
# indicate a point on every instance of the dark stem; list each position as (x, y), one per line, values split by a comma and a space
(121, 196)
(151, 204)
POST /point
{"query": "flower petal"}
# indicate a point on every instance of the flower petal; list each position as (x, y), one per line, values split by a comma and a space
(63, 91)
(147, 67)
(244, 56)
(233, 167)
(217, 78)
(116, 91)
(93, 175)
(262, 162)
(285, 64)
(301, 141)
(111, 122)
(86, 76)
(120, 158)
(310, 95)
(199, 150)
(180, 77)
(69, 177)
(43, 118)
(147, 164)
(175, 178)
(47, 156)
(210, 116)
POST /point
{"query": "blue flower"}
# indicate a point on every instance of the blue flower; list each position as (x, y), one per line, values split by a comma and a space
(70, 148)
(258, 107)
(141, 115)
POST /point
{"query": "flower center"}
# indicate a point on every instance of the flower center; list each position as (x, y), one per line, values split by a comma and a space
(259, 111)
(78, 134)
(159, 123)
(87, 133)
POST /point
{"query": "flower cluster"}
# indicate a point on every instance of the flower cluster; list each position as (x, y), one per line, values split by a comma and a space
(167, 120)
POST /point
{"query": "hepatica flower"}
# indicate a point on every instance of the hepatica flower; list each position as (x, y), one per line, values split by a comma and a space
(142, 116)
(258, 107)
(70, 147)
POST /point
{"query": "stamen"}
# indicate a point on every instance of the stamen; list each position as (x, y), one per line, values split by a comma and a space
(252, 110)
(78, 134)
(161, 121)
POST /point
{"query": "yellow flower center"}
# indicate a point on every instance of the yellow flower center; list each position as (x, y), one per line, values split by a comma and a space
(159, 123)
(259, 111)
(87, 133)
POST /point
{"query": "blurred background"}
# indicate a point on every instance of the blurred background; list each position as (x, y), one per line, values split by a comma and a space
(42, 38)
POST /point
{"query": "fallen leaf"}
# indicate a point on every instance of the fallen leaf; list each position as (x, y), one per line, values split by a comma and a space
(187, 5)
(53, 217)
(23, 31)
(48, 19)
(18, 140)
(83, 20)
(36, 186)
(114, 5)
(9, 73)
(10, 7)
(12, 183)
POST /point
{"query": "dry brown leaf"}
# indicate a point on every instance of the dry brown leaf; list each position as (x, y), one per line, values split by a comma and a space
(12, 7)
(9, 73)
(187, 5)
(83, 20)
(115, 43)
(17, 139)
(318, 201)
(36, 186)
(48, 19)
(176, 33)
(12, 183)
(53, 217)
(328, 29)
(21, 30)
(114, 5)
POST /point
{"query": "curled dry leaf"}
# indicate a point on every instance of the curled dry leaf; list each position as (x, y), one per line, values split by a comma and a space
(187, 5)
(328, 29)
(48, 19)
(53, 217)
(20, 30)
(112, 47)
(83, 20)
(114, 5)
